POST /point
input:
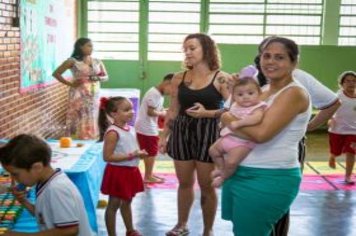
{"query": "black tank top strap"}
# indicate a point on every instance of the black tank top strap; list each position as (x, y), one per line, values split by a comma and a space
(216, 74)
(184, 74)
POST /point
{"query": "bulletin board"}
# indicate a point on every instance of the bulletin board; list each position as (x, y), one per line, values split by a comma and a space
(47, 34)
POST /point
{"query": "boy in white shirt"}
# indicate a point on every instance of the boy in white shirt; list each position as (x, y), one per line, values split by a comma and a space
(59, 207)
(147, 124)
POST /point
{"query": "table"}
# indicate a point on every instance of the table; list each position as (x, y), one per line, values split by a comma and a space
(85, 167)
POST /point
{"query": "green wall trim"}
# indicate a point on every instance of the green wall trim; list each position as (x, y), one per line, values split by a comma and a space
(331, 22)
(324, 61)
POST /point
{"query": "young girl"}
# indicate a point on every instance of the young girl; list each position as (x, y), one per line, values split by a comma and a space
(122, 178)
(247, 109)
(342, 127)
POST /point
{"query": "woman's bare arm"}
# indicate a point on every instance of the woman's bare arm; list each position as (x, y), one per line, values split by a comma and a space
(61, 69)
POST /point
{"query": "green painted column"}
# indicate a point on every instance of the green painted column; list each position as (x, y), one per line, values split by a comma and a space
(82, 18)
(204, 16)
(330, 29)
(143, 38)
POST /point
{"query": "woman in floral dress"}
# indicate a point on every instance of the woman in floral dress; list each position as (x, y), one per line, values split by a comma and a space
(84, 89)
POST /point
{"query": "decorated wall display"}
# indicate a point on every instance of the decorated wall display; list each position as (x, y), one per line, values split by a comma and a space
(47, 36)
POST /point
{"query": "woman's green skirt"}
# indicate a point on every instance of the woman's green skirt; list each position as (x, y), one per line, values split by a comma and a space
(254, 199)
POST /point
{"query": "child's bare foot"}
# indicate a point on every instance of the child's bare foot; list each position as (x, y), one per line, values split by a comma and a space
(332, 162)
(215, 173)
(217, 182)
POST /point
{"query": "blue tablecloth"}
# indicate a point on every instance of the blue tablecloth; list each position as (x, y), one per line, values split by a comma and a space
(86, 174)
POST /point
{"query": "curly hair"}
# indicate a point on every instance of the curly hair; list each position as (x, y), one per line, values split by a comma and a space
(211, 53)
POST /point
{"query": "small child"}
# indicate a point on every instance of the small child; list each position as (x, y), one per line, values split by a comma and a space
(342, 126)
(146, 126)
(246, 110)
(59, 207)
(122, 178)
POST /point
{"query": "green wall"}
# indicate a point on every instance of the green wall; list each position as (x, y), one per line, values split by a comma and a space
(324, 62)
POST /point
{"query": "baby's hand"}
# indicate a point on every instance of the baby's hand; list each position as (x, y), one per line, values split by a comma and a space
(234, 125)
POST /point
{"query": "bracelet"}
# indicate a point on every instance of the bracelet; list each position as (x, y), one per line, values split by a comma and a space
(130, 156)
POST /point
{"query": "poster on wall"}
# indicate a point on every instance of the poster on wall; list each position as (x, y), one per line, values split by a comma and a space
(47, 29)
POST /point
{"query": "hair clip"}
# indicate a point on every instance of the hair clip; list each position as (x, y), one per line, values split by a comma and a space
(103, 102)
(248, 71)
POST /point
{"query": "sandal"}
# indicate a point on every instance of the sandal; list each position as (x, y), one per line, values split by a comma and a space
(133, 233)
(153, 180)
(349, 181)
(159, 177)
(177, 232)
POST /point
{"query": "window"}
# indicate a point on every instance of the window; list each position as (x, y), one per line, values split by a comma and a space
(347, 26)
(236, 22)
(168, 24)
(248, 22)
(113, 27)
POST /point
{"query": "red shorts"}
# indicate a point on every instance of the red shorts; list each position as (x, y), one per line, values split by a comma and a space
(342, 143)
(149, 143)
(122, 181)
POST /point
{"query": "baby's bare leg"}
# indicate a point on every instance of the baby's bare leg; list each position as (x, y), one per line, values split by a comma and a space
(216, 152)
(234, 157)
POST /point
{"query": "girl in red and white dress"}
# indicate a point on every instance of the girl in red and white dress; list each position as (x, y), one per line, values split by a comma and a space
(122, 178)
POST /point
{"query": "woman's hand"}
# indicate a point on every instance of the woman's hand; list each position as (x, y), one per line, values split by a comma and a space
(162, 145)
(226, 119)
(231, 81)
(75, 83)
(196, 111)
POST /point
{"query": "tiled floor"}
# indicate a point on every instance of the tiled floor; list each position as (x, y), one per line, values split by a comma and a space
(322, 213)
(314, 213)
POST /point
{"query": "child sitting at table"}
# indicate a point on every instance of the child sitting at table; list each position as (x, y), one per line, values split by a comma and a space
(122, 178)
(59, 207)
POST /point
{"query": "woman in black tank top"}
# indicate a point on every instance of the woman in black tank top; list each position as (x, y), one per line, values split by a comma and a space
(192, 126)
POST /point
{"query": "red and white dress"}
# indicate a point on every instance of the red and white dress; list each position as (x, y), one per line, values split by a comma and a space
(123, 179)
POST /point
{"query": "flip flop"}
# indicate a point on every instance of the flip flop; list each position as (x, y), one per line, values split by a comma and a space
(349, 182)
(178, 232)
(158, 177)
(153, 181)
